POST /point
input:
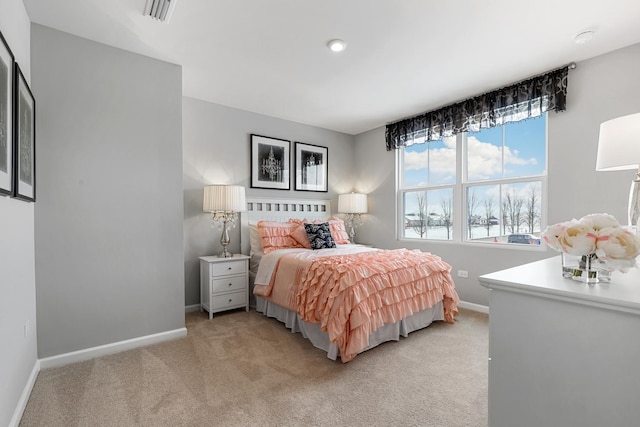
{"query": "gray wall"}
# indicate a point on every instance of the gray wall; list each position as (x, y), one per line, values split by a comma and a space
(17, 286)
(108, 221)
(110, 195)
(216, 150)
(599, 89)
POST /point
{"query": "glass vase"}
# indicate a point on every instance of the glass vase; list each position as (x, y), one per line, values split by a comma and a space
(585, 268)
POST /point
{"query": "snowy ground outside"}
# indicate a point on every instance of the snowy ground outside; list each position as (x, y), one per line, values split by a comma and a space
(477, 233)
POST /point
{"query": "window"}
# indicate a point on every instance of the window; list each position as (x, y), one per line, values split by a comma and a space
(485, 186)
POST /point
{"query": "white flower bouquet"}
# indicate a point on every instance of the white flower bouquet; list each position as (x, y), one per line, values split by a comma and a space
(595, 236)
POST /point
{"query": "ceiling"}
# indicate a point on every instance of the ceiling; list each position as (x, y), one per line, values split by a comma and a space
(403, 57)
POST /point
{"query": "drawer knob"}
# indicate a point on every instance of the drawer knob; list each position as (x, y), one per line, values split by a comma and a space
(230, 284)
(228, 268)
(230, 300)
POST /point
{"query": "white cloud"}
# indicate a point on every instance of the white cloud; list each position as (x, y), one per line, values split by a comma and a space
(485, 160)
(442, 161)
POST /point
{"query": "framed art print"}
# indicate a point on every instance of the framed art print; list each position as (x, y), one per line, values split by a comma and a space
(24, 147)
(312, 167)
(270, 162)
(6, 117)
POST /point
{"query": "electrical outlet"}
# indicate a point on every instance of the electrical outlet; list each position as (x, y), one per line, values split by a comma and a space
(463, 273)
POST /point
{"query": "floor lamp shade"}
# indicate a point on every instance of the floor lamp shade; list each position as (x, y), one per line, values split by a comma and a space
(619, 149)
(224, 198)
(619, 144)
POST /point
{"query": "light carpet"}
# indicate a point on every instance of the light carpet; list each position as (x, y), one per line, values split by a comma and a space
(242, 369)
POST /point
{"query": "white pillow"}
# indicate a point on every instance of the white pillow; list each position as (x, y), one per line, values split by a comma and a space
(254, 238)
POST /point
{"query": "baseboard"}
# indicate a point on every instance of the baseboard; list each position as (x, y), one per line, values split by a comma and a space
(24, 397)
(103, 350)
(191, 308)
(474, 307)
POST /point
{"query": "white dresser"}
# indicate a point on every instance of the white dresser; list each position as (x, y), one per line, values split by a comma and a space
(563, 353)
(224, 283)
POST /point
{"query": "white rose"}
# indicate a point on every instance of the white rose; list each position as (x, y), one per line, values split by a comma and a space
(599, 221)
(551, 234)
(615, 243)
(577, 238)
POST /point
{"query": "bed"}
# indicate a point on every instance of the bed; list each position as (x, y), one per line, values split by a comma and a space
(345, 299)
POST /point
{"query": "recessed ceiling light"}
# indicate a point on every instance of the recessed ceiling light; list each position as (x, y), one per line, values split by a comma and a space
(583, 37)
(337, 45)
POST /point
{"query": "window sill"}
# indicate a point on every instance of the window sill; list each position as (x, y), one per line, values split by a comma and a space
(496, 245)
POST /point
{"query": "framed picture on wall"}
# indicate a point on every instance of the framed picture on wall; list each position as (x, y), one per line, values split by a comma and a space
(312, 167)
(270, 162)
(6, 117)
(24, 146)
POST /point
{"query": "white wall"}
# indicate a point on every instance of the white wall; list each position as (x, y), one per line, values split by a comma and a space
(599, 89)
(18, 356)
(108, 221)
(216, 150)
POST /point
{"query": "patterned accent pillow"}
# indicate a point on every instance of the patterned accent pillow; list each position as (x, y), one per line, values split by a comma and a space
(320, 236)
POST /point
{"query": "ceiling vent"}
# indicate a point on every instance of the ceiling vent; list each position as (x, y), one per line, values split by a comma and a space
(160, 9)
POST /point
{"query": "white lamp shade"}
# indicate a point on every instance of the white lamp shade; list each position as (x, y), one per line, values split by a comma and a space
(619, 144)
(352, 203)
(224, 198)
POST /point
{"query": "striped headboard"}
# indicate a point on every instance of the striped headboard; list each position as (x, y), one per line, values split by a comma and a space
(272, 209)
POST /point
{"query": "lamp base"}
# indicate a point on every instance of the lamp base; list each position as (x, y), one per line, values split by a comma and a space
(352, 234)
(634, 202)
(224, 238)
(351, 223)
(225, 253)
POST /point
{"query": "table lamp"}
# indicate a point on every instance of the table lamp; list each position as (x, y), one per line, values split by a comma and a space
(224, 202)
(354, 205)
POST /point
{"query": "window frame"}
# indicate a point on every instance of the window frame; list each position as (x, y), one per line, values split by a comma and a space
(460, 190)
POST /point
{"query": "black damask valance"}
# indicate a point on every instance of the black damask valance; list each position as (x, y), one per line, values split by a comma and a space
(529, 98)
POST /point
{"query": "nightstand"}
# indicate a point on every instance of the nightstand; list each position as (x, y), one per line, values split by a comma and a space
(224, 283)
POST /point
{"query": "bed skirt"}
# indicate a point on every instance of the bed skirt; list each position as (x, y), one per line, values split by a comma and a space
(320, 339)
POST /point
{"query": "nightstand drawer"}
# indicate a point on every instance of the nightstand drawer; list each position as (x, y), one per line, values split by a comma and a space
(233, 299)
(228, 268)
(236, 283)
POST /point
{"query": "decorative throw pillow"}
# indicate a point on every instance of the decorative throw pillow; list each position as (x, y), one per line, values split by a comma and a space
(338, 230)
(320, 236)
(300, 235)
(276, 235)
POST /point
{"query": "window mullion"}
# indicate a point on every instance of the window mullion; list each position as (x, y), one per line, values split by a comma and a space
(400, 194)
(458, 191)
(503, 146)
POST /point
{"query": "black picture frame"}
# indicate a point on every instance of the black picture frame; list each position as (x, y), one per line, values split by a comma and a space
(7, 73)
(24, 146)
(312, 167)
(270, 158)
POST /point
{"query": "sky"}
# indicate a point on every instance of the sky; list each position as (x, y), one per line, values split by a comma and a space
(523, 154)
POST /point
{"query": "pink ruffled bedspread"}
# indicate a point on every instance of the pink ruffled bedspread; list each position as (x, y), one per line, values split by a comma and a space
(353, 295)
